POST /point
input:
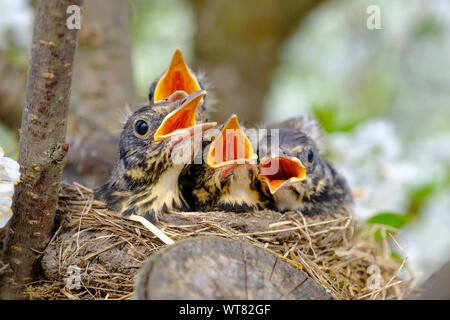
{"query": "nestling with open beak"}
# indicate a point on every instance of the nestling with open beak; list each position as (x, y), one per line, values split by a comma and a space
(297, 178)
(84, 164)
(144, 181)
(178, 77)
(228, 178)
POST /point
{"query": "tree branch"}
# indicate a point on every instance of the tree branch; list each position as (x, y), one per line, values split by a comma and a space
(42, 143)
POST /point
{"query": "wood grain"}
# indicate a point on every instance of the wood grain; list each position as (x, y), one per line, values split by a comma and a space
(219, 268)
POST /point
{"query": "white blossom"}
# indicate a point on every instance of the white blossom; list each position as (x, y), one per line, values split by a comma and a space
(9, 176)
(370, 158)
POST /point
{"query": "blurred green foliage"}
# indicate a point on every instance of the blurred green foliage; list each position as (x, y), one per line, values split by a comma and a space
(397, 257)
(328, 117)
(390, 219)
(429, 27)
(9, 142)
(157, 29)
(419, 196)
(17, 56)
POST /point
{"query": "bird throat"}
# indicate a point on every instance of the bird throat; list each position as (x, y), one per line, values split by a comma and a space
(151, 201)
(238, 190)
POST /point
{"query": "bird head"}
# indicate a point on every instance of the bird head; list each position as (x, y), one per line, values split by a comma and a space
(151, 134)
(146, 148)
(288, 160)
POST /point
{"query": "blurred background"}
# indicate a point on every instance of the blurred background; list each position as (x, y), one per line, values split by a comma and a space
(381, 95)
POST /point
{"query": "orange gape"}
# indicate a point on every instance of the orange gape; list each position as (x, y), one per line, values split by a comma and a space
(286, 170)
(177, 78)
(230, 147)
(182, 119)
(233, 145)
(181, 122)
(178, 82)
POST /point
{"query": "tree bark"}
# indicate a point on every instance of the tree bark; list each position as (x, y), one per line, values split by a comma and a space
(222, 269)
(237, 44)
(42, 143)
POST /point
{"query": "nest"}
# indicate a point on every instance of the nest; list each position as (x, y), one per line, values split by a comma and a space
(106, 251)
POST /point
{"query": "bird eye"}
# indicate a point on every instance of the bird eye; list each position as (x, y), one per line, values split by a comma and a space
(141, 127)
(310, 156)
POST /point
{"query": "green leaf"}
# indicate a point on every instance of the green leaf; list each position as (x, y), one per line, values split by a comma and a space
(419, 196)
(390, 219)
(397, 257)
(327, 115)
(378, 237)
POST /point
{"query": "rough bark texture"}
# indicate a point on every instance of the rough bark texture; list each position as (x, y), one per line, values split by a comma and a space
(102, 87)
(237, 44)
(217, 268)
(42, 143)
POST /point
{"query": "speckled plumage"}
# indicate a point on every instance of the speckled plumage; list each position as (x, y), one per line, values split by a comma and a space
(234, 187)
(207, 189)
(144, 181)
(323, 190)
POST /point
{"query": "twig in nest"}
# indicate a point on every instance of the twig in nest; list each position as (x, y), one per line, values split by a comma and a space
(152, 228)
(3, 267)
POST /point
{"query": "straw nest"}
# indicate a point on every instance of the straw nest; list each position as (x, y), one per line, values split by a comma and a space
(106, 251)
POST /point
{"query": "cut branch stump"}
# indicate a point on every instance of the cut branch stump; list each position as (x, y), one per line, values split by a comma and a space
(218, 268)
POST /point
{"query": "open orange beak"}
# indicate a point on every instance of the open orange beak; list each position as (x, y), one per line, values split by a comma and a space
(230, 147)
(177, 78)
(279, 171)
(180, 123)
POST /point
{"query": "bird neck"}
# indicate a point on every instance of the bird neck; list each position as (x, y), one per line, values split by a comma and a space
(322, 192)
(145, 191)
(239, 190)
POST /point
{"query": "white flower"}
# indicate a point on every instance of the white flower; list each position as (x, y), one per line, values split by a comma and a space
(9, 169)
(370, 157)
(9, 176)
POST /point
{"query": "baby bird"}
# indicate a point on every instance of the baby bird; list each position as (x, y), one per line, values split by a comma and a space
(178, 77)
(144, 181)
(228, 179)
(87, 162)
(297, 178)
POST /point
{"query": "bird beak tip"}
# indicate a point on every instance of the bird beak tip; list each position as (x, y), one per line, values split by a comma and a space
(181, 122)
(177, 77)
(231, 147)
